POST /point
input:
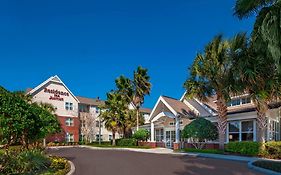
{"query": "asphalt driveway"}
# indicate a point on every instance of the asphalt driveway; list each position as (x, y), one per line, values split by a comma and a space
(107, 162)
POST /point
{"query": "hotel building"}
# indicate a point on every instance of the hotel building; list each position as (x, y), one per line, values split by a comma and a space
(169, 116)
(78, 116)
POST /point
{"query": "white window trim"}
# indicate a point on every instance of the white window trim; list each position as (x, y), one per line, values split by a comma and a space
(240, 130)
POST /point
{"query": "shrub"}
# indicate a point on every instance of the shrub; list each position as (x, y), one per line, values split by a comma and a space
(272, 150)
(59, 165)
(212, 151)
(141, 134)
(26, 162)
(244, 148)
(102, 143)
(199, 131)
(126, 142)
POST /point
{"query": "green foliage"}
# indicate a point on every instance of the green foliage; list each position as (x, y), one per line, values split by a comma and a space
(23, 121)
(200, 130)
(272, 150)
(212, 74)
(212, 151)
(25, 162)
(141, 134)
(271, 165)
(126, 142)
(60, 166)
(244, 148)
(266, 34)
(102, 143)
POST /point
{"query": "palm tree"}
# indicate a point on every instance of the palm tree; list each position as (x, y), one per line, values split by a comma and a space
(113, 112)
(141, 87)
(125, 87)
(266, 36)
(211, 74)
(262, 85)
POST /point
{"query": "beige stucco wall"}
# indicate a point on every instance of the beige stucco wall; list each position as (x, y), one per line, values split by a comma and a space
(41, 96)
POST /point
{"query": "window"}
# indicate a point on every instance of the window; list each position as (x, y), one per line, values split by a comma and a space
(68, 106)
(69, 122)
(172, 123)
(241, 131)
(273, 130)
(247, 130)
(239, 101)
(159, 135)
(98, 137)
(109, 137)
(233, 131)
(246, 100)
(181, 122)
(69, 137)
(98, 124)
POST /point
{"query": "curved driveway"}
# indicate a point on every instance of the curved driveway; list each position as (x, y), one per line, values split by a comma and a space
(107, 162)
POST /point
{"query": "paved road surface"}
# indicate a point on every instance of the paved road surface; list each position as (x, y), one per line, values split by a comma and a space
(109, 162)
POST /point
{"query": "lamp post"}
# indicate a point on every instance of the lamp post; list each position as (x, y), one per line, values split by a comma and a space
(99, 128)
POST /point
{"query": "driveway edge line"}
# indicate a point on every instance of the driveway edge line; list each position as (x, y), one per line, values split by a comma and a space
(72, 168)
(262, 170)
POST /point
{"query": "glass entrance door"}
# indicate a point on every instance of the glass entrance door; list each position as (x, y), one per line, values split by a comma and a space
(170, 138)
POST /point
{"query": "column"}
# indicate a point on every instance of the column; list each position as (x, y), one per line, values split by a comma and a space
(152, 132)
(177, 129)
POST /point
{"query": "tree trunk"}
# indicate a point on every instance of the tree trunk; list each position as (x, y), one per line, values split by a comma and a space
(113, 139)
(262, 108)
(222, 119)
(138, 108)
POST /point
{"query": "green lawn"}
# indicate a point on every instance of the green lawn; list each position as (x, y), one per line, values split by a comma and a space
(271, 165)
(193, 150)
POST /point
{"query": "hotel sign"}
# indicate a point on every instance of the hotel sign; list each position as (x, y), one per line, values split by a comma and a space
(56, 94)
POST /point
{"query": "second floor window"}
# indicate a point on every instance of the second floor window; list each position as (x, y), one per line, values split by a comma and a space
(239, 101)
(69, 122)
(68, 106)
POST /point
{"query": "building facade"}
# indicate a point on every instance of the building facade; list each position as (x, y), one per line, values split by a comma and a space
(169, 116)
(78, 116)
(53, 91)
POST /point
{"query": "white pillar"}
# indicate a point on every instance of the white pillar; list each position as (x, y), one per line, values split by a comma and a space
(177, 129)
(152, 132)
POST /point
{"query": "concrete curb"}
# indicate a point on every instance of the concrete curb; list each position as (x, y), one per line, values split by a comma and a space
(72, 168)
(262, 170)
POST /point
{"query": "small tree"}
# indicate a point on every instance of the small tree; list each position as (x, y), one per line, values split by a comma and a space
(141, 135)
(199, 131)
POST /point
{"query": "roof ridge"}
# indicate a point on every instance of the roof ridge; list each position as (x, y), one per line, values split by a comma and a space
(170, 97)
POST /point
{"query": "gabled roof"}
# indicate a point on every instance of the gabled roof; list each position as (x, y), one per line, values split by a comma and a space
(55, 79)
(178, 106)
(145, 110)
(90, 101)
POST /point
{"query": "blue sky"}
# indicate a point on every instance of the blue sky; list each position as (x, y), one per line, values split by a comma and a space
(90, 43)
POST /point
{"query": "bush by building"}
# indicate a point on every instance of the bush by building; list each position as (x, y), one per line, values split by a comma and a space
(199, 131)
(126, 142)
(141, 135)
(244, 148)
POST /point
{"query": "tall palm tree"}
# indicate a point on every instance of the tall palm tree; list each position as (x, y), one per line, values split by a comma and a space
(211, 74)
(113, 113)
(125, 87)
(141, 87)
(266, 36)
(262, 85)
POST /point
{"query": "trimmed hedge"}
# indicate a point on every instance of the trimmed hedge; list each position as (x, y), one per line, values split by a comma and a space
(126, 142)
(244, 148)
(272, 149)
(102, 143)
